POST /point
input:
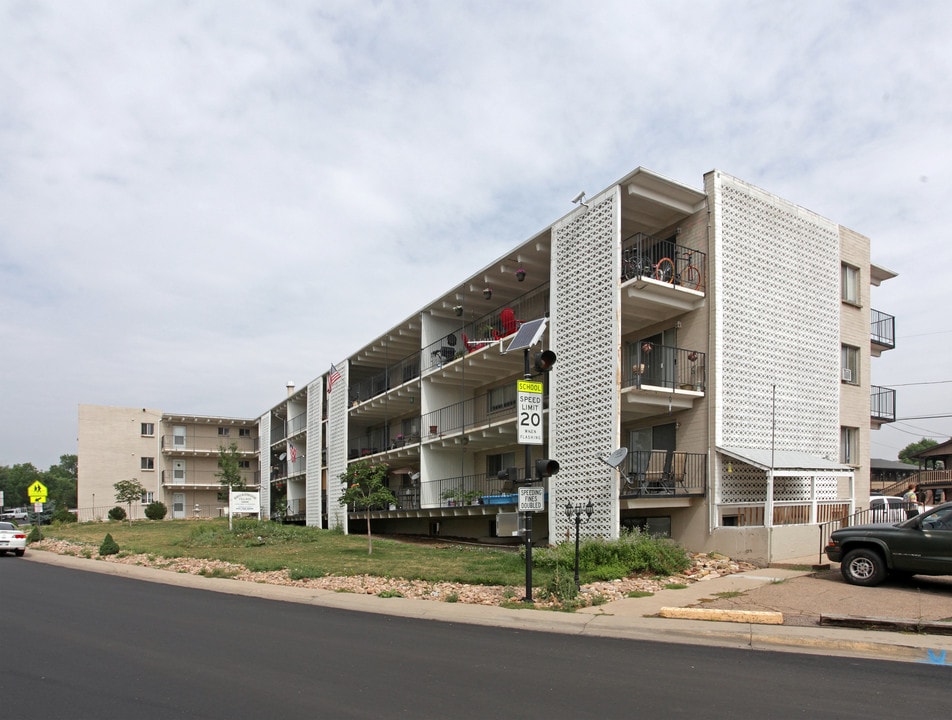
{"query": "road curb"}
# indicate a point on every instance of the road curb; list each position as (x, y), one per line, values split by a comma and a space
(757, 617)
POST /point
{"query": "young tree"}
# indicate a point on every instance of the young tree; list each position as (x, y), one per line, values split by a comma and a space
(229, 469)
(129, 491)
(365, 489)
(912, 448)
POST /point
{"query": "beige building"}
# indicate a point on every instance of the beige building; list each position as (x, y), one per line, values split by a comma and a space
(721, 335)
(175, 457)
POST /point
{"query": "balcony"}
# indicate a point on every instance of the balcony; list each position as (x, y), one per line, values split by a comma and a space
(480, 494)
(660, 280)
(485, 421)
(659, 379)
(192, 445)
(882, 406)
(882, 332)
(663, 475)
(203, 480)
(363, 392)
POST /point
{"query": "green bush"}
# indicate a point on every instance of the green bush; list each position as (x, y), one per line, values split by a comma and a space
(63, 515)
(34, 535)
(631, 554)
(155, 510)
(117, 513)
(109, 546)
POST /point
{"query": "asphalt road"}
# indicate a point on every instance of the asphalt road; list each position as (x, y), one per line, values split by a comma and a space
(85, 645)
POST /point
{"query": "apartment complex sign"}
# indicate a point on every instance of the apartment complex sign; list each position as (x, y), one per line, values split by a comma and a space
(529, 421)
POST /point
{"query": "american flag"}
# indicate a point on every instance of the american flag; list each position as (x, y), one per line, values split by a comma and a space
(332, 377)
(293, 452)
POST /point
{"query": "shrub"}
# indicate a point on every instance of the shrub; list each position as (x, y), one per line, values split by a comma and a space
(155, 510)
(34, 535)
(117, 513)
(109, 546)
(63, 515)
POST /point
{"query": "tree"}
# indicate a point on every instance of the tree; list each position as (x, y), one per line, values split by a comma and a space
(129, 491)
(229, 469)
(913, 448)
(365, 489)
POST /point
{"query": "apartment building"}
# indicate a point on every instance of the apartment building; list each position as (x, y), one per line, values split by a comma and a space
(721, 335)
(173, 456)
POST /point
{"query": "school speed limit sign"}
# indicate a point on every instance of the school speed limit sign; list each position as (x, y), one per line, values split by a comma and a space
(529, 396)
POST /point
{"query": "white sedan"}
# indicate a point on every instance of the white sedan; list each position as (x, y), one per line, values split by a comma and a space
(12, 539)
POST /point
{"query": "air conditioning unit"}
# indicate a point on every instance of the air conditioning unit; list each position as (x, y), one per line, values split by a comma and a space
(847, 375)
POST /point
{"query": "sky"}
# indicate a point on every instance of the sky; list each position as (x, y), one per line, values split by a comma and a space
(200, 201)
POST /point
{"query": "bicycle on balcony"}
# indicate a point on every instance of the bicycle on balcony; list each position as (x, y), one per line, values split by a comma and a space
(667, 270)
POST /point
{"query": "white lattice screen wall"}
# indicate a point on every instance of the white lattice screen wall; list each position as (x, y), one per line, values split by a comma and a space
(777, 322)
(337, 449)
(312, 487)
(583, 406)
(264, 465)
(746, 483)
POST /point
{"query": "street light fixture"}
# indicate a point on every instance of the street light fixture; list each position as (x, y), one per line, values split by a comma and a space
(577, 510)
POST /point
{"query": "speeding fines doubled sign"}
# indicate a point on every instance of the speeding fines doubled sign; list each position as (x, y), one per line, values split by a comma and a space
(529, 395)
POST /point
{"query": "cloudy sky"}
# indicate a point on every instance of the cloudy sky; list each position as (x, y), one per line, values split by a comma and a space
(200, 201)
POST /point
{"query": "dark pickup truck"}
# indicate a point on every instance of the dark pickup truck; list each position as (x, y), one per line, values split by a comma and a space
(921, 545)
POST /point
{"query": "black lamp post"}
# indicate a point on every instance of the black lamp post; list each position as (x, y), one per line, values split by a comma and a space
(577, 510)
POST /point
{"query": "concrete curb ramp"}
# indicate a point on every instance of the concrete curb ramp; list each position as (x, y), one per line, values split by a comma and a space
(758, 617)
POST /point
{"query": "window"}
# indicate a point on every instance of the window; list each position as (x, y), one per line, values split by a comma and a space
(244, 464)
(502, 398)
(495, 463)
(244, 432)
(147, 463)
(223, 432)
(849, 445)
(148, 429)
(147, 497)
(849, 278)
(849, 365)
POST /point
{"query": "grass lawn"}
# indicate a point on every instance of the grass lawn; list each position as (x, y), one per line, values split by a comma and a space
(305, 551)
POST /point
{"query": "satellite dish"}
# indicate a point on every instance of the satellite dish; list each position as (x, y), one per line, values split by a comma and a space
(615, 458)
(282, 456)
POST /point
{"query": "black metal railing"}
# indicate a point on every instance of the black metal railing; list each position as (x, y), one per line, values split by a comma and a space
(658, 473)
(297, 424)
(882, 403)
(404, 371)
(882, 329)
(475, 334)
(212, 443)
(380, 439)
(646, 363)
(498, 405)
(644, 256)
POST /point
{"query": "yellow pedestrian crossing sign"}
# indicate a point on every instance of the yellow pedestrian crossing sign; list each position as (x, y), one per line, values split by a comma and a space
(37, 492)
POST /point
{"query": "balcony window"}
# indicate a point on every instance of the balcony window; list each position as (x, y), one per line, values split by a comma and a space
(223, 432)
(501, 398)
(244, 432)
(850, 284)
(849, 365)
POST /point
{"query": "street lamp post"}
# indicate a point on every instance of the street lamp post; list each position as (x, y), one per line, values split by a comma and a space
(577, 510)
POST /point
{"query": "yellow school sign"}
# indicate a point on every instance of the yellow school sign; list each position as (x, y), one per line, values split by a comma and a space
(37, 492)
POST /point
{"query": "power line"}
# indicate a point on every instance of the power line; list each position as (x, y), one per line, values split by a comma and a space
(931, 382)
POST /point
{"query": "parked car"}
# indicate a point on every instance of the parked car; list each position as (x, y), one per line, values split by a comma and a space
(921, 545)
(12, 539)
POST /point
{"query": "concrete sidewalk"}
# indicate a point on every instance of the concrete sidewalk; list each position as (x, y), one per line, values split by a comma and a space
(631, 618)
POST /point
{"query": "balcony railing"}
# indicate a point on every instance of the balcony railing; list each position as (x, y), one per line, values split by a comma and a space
(400, 372)
(646, 363)
(660, 473)
(882, 403)
(496, 406)
(204, 478)
(882, 329)
(460, 491)
(192, 444)
(644, 256)
(297, 424)
(530, 306)
(381, 439)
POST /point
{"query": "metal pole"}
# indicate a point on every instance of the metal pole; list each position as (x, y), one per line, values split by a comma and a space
(528, 515)
(578, 524)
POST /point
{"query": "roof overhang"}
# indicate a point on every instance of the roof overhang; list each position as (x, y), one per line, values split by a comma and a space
(785, 461)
